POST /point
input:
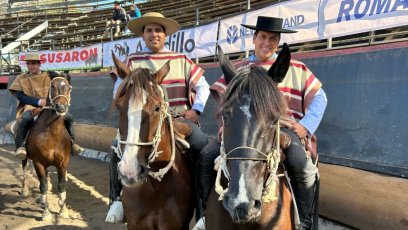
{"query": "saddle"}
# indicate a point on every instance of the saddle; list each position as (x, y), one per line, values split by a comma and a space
(285, 123)
(182, 131)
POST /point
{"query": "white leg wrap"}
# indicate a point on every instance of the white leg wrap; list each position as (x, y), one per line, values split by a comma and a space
(62, 198)
(115, 214)
(43, 199)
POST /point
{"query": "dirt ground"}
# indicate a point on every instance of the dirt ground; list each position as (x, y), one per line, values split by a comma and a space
(87, 197)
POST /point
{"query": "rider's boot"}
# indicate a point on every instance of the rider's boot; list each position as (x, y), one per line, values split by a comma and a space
(69, 121)
(24, 126)
(303, 177)
(206, 177)
(115, 213)
(304, 195)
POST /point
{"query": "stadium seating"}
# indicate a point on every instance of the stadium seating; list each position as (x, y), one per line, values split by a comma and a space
(72, 29)
(77, 23)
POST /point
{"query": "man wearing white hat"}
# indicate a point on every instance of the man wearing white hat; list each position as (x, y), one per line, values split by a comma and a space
(31, 90)
(185, 84)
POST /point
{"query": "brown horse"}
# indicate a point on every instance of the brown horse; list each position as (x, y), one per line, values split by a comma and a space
(157, 177)
(49, 143)
(253, 190)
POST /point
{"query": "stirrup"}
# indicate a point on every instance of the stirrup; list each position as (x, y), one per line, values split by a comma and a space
(200, 225)
(76, 149)
(21, 153)
(115, 213)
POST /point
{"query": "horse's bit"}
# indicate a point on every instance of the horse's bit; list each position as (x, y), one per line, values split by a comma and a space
(156, 140)
(272, 159)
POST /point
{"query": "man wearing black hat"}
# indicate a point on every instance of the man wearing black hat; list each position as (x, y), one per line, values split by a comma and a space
(306, 104)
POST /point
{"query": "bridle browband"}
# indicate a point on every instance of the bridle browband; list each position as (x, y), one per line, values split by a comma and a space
(272, 159)
(53, 105)
(164, 113)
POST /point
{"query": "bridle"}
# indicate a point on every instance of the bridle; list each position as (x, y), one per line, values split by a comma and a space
(164, 114)
(272, 159)
(67, 98)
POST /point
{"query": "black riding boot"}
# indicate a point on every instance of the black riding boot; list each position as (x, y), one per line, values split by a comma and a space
(302, 172)
(69, 125)
(205, 170)
(304, 195)
(24, 125)
(115, 186)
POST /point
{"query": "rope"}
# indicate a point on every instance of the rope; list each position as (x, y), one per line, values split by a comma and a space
(52, 107)
(156, 140)
(272, 159)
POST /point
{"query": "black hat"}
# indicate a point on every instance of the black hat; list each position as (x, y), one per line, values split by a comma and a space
(269, 24)
(116, 2)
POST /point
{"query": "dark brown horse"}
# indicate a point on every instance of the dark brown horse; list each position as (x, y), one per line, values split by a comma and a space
(49, 144)
(253, 192)
(157, 178)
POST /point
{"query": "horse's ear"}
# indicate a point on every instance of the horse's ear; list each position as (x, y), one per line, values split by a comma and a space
(226, 65)
(280, 67)
(162, 72)
(121, 67)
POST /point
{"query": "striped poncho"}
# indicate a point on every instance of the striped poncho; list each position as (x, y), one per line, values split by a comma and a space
(180, 82)
(298, 87)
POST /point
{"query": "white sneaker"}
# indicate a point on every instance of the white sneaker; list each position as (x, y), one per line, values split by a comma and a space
(200, 225)
(21, 153)
(115, 214)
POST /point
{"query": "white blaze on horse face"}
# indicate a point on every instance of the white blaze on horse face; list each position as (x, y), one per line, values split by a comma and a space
(129, 160)
(245, 108)
(242, 196)
(63, 83)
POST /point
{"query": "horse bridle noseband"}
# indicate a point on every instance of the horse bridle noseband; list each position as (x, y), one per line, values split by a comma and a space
(164, 113)
(53, 105)
(272, 159)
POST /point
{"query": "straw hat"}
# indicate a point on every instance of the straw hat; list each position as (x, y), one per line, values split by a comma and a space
(269, 24)
(137, 24)
(34, 56)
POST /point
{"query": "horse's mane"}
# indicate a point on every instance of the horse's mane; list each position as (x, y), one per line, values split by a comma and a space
(139, 80)
(267, 103)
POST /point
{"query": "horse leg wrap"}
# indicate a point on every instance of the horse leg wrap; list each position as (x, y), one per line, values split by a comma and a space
(62, 198)
(43, 200)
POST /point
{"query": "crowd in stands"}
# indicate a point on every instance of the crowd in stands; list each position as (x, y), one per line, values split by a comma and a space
(120, 18)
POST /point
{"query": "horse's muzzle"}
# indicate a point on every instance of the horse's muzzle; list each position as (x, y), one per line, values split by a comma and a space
(61, 108)
(242, 212)
(133, 179)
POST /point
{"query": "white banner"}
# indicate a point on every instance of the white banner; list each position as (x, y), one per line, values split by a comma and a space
(121, 48)
(205, 38)
(195, 42)
(79, 58)
(297, 15)
(356, 16)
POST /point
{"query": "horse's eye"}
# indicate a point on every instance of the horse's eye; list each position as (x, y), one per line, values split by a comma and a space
(157, 108)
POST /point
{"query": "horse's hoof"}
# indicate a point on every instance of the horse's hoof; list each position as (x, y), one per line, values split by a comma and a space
(46, 216)
(24, 192)
(63, 215)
